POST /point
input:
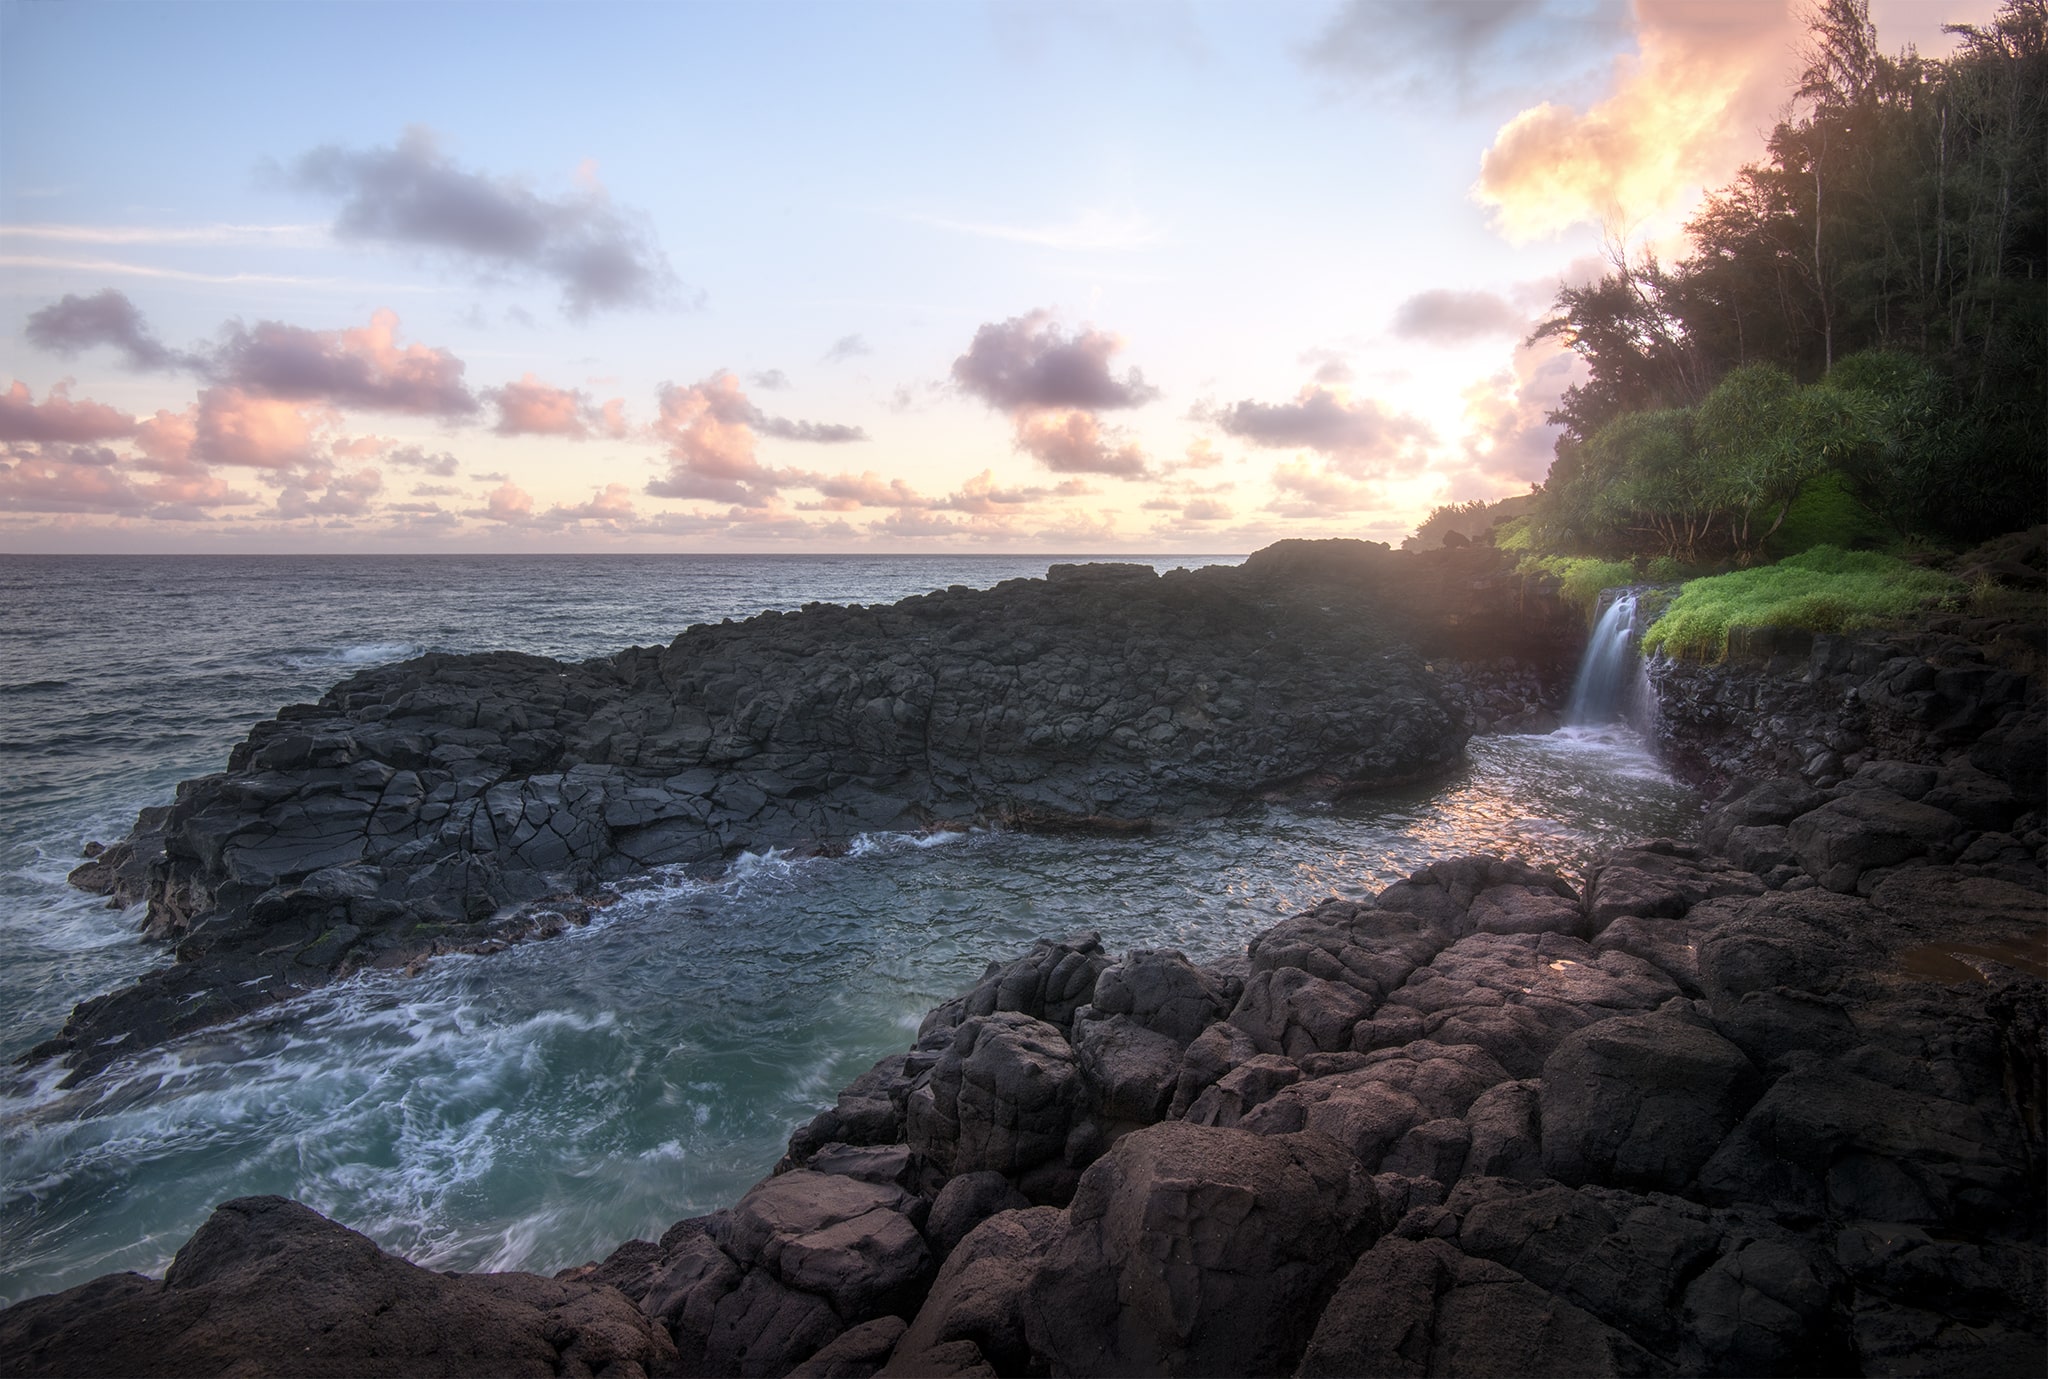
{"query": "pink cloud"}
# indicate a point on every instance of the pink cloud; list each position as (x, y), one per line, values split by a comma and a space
(710, 436)
(1076, 443)
(509, 503)
(168, 437)
(360, 367)
(235, 427)
(58, 418)
(531, 407)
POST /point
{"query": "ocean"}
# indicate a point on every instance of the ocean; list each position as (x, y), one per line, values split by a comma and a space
(532, 1109)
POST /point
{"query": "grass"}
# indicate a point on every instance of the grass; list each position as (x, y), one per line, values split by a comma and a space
(1821, 590)
(1581, 578)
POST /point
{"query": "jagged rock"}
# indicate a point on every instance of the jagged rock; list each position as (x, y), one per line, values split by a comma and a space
(1641, 1101)
(857, 1352)
(1516, 996)
(267, 1286)
(1165, 993)
(847, 1241)
(1198, 1251)
(1419, 1307)
(1001, 1097)
(1369, 1110)
(965, 1202)
(1867, 829)
(1659, 880)
(1050, 983)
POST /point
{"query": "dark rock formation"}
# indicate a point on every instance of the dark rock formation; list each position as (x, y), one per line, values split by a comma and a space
(1771, 1103)
(1693, 1121)
(457, 803)
(267, 1287)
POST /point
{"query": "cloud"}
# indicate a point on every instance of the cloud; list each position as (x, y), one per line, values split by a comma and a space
(1330, 366)
(1028, 362)
(531, 407)
(1089, 232)
(1508, 443)
(812, 432)
(58, 418)
(76, 324)
(710, 428)
(1302, 489)
(413, 195)
(360, 367)
(1472, 50)
(1682, 113)
(1326, 420)
(612, 504)
(1444, 317)
(846, 492)
(347, 495)
(240, 428)
(769, 380)
(710, 436)
(1076, 443)
(442, 464)
(508, 503)
(94, 479)
(846, 347)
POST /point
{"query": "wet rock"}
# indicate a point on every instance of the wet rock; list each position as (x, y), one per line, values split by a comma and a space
(268, 1286)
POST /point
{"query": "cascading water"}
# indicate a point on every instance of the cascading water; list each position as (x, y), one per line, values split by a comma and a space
(1612, 686)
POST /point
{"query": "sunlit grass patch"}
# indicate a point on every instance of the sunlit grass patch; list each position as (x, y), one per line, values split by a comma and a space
(1822, 590)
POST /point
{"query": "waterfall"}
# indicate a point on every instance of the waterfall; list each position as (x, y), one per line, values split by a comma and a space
(1611, 686)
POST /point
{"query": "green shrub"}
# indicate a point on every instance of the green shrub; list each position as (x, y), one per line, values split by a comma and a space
(1515, 534)
(1582, 577)
(1825, 589)
(1827, 514)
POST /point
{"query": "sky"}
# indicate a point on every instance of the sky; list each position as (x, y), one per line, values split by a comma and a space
(1037, 277)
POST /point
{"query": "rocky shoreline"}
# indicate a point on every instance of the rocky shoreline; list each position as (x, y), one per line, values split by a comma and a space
(1770, 1100)
(461, 803)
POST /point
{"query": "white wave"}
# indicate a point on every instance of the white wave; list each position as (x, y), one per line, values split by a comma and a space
(882, 844)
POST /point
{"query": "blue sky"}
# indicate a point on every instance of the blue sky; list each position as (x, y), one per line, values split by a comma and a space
(1031, 277)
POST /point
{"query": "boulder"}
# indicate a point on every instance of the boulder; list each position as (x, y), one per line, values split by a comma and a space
(1864, 830)
(1198, 1251)
(1420, 1307)
(1641, 1101)
(269, 1287)
(1001, 1097)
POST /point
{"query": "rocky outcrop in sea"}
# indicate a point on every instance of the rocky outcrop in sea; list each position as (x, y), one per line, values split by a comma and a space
(459, 803)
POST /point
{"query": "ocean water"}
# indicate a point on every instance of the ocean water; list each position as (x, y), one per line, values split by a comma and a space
(534, 1108)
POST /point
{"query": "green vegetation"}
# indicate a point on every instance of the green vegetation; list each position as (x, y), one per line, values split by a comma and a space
(1822, 590)
(1581, 577)
(1863, 315)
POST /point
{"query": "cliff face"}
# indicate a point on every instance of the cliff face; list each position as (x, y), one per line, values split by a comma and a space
(455, 803)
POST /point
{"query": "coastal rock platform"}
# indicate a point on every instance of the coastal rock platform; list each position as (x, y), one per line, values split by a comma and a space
(1694, 1116)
